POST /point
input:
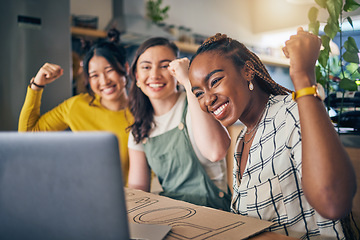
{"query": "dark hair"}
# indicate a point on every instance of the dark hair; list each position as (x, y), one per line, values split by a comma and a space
(114, 54)
(113, 35)
(139, 103)
(240, 54)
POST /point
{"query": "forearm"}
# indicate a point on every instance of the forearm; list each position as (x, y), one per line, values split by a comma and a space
(328, 177)
(30, 112)
(139, 171)
(211, 137)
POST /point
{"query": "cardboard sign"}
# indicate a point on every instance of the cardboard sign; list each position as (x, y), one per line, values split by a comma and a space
(189, 221)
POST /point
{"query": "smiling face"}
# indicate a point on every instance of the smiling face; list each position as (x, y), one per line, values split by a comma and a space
(106, 82)
(152, 74)
(219, 87)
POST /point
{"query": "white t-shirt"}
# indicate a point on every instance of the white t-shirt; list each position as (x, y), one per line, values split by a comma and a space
(170, 120)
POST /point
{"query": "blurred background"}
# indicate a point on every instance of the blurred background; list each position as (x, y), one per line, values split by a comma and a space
(39, 31)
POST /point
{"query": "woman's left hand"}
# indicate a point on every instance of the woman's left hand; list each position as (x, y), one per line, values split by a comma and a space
(303, 50)
(179, 68)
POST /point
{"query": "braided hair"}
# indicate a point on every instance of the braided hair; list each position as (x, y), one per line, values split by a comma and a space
(240, 54)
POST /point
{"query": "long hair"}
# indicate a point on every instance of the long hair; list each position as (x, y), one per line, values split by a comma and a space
(139, 104)
(239, 54)
(113, 53)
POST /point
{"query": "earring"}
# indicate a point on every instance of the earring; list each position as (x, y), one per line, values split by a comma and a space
(251, 86)
(137, 84)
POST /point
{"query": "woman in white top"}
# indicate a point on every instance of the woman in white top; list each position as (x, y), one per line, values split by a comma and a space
(171, 135)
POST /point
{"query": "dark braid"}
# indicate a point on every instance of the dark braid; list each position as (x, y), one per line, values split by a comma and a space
(349, 225)
(239, 53)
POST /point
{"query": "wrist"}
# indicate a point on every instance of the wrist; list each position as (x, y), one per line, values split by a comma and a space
(35, 86)
(303, 80)
(315, 90)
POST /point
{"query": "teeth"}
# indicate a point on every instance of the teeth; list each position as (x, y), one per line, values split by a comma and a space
(156, 85)
(108, 90)
(220, 109)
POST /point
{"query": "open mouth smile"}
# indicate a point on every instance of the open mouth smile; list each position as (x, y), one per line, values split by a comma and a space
(108, 90)
(156, 86)
(220, 109)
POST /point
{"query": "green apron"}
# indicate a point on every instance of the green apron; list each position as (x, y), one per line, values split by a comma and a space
(182, 177)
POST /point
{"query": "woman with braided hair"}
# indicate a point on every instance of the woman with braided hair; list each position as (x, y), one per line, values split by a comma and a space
(289, 164)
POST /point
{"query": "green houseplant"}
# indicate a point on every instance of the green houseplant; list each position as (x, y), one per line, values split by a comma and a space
(339, 73)
(155, 12)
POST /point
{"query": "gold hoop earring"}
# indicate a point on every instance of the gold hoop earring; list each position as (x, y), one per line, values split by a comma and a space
(251, 86)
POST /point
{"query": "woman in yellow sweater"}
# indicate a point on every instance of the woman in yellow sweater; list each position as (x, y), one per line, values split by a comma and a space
(103, 108)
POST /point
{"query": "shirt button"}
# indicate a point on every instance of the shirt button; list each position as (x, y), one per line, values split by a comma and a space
(181, 126)
(221, 194)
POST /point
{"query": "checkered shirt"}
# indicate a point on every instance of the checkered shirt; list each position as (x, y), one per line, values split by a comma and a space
(270, 187)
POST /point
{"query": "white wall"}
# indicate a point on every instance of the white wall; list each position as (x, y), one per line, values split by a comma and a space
(248, 21)
(205, 17)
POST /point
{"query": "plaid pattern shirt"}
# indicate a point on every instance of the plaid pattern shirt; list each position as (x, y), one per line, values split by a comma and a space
(270, 187)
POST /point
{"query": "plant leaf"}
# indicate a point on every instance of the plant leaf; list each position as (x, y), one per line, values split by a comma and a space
(353, 70)
(320, 78)
(154, 12)
(351, 57)
(348, 84)
(350, 22)
(314, 27)
(165, 9)
(325, 40)
(350, 45)
(332, 28)
(313, 14)
(334, 8)
(351, 5)
(323, 57)
(321, 3)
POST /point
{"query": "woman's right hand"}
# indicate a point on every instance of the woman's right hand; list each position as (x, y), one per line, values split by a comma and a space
(179, 68)
(48, 73)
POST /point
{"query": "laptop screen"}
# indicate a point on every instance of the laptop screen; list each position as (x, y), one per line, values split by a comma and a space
(61, 185)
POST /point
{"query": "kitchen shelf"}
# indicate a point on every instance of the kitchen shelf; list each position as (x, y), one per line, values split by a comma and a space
(274, 61)
(78, 31)
(269, 60)
(184, 47)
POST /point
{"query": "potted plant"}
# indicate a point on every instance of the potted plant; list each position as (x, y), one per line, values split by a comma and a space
(336, 73)
(155, 12)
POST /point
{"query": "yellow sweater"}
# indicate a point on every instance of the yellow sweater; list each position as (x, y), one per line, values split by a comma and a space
(76, 113)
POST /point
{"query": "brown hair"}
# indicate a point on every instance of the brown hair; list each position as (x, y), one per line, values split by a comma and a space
(139, 104)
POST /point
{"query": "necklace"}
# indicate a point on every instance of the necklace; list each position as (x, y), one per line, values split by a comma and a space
(251, 137)
(257, 124)
(254, 128)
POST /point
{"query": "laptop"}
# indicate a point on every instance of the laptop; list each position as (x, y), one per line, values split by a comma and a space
(63, 185)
